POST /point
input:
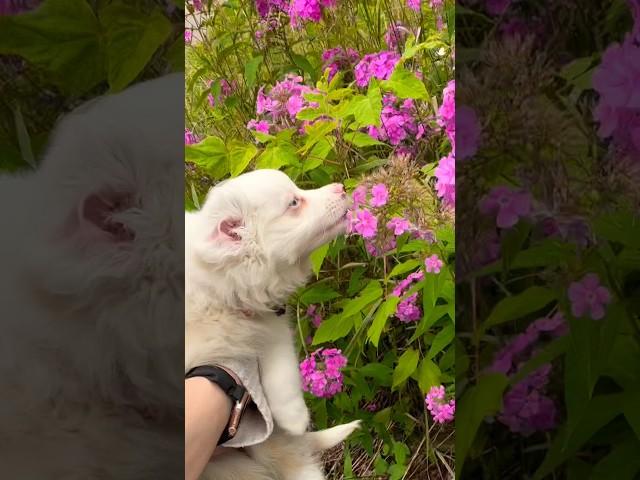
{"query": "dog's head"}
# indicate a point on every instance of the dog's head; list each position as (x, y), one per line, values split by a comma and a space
(98, 272)
(252, 239)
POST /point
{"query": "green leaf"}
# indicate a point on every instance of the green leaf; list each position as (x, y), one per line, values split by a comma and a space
(632, 412)
(63, 38)
(404, 267)
(360, 139)
(478, 402)
(622, 463)
(132, 37)
(369, 294)
(24, 139)
(428, 375)
(517, 306)
(317, 258)
(318, 293)
(317, 132)
(367, 109)
(309, 114)
(333, 328)
(442, 339)
(347, 465)
(387, 309)
(278, 155)
(210, 154)
(380, 372)
(405, 84)
(251, 70)
(621, 227)
(304, 65)
(407, 364)
(240, 155)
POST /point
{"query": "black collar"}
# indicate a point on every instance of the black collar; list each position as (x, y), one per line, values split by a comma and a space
(281, 310)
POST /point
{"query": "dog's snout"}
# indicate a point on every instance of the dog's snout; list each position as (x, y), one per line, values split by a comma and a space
(338, 188)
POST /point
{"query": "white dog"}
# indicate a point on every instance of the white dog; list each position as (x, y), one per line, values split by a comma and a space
(91, 289)
(246, 251)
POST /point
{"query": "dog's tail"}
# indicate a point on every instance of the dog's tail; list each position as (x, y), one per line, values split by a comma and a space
(325, 439)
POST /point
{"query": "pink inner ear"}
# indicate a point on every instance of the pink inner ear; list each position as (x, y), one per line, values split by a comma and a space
(98, 209)
(228, 226)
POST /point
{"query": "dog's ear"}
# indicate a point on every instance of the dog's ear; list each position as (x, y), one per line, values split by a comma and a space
(227, 230)
(96, 215)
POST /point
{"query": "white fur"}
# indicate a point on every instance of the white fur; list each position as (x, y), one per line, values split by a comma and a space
(91, 324)
(246, 251)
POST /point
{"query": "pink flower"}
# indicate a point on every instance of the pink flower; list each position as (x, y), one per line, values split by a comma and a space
(441, 410)
(433, 264)
(314, 315)
(399, 225)
(445, 173)
(321, 372)
(588, 297)
(508, 204)
(359, 196)
(469, 129)
(261, 126)
(188, 36)
(407, 311)
(365, 223)
(375, 65)
(379, 195)
(197, 4)
(447, 111)
(189, 137)
(414, 5)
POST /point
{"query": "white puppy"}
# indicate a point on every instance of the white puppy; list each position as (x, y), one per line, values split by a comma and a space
(246, 251)
(91, 289)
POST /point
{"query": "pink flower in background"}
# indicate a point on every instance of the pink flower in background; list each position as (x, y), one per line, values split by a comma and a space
(447, 111)
(262, 126)
(365, 223)
(372, 407)
(226, 89)
(314, 315)
(433, 264)
(338, 59)
(379, 195)
(399, 225)
(445, 174)
(468, 136)
(197, 4)
(189, 137)
(414, 5)
(437, 4)
(396, 35)
(398, 122)
(376, 65)
(407, 311)
(507, 203)
(403, 285)
(188, 37)
(441, 410)
(589, 297)
(321, 372)
(497, 7)
(267, 7)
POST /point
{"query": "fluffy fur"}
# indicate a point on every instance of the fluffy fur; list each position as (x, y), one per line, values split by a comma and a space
(92, 295)
(246, 251)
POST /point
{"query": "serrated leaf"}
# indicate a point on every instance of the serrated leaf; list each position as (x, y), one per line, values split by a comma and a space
(360, 139)
(210, 154)
(240, 155)
(367, 109)
(278, 155)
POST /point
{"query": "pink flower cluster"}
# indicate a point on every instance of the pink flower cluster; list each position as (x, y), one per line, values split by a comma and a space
(617, 80)
(445, 172)
(433, 264)
(321, 372)
(266, 8)
(280, 106)
(376, 65)
(301, 10)
(441, 410)
(589, 297)
(407, 310)
(526, 407)
(507, 204)
(398, 122)
(188, 36)
(189, 137)
(414, 5)
(314, 315)
(362, 221)
(338, 59)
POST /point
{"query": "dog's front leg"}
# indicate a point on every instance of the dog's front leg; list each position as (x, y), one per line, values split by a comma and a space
(281, 381)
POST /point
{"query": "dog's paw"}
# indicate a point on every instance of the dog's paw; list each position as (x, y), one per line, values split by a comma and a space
(292, 417)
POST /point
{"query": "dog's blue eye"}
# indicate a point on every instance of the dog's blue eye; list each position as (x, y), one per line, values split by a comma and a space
(294, 203)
